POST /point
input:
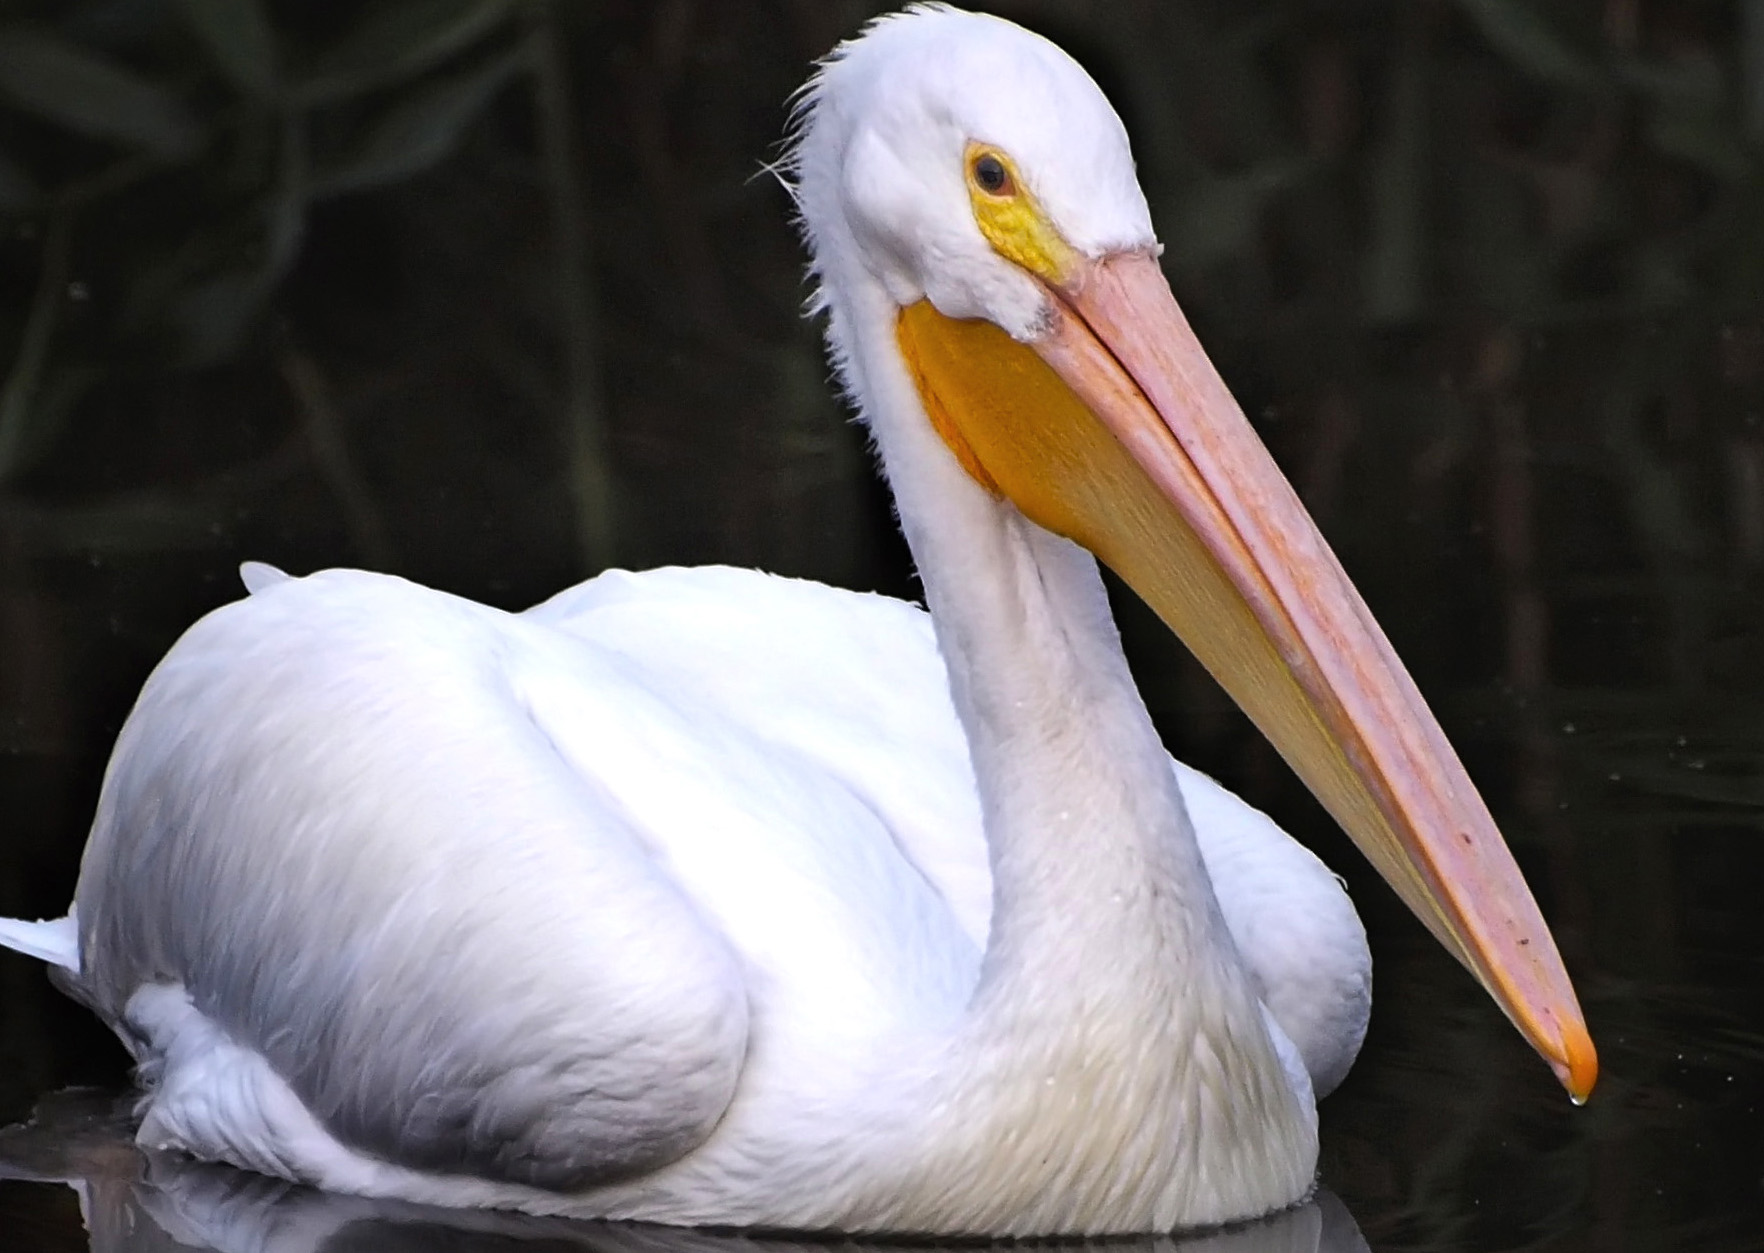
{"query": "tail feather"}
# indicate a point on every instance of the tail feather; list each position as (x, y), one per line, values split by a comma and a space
(258, 575)
(56, 941)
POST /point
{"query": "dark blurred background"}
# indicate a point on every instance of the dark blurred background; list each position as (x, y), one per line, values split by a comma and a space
(497, 293)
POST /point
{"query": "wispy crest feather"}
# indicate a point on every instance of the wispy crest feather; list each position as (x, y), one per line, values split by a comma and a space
(805, 103)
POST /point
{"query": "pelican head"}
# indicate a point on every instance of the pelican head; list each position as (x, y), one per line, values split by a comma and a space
(964, 168)
(990, 271)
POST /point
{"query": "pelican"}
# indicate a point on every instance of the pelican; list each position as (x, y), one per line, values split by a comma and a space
(706, 897)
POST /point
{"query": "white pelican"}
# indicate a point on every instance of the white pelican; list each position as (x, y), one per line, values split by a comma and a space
(706, 897)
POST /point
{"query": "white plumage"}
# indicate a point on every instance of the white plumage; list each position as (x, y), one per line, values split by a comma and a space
(708, 897)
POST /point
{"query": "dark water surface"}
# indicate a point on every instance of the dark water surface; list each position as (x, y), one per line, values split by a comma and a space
(487, 293)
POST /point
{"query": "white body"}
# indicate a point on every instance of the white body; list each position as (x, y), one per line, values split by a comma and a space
(708, 836)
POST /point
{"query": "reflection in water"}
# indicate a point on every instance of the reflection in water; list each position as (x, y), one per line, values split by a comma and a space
(135, 1204)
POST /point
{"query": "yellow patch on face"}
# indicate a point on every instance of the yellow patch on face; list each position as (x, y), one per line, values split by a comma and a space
(1012, 219)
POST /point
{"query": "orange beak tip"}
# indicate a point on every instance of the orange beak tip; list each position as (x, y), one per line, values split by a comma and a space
(1578, 1067)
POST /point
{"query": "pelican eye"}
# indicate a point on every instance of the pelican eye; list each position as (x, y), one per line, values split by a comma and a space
(991, 176)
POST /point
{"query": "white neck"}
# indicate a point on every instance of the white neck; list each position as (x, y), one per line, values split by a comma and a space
(1115, 1041)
